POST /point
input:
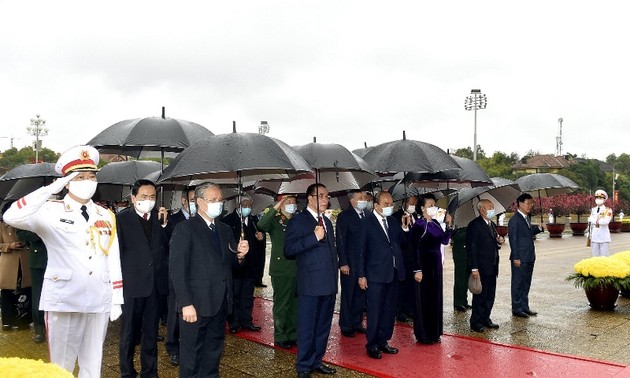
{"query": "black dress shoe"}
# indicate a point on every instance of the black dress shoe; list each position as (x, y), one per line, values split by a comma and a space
(468, 306)
(360, 330)
(520, 314)
(347, 333)
(388, 349)
(253, 327)
(425, 342)
(174, 360)
(39, 338)
(304, 374)
(402, 318)
(160, 338)
(235, 329)
(282, 344)
(477, 329)
(492, 325)
(325, 369)
(460, 308)
(530, 312)
(260, 284)
(375, 354)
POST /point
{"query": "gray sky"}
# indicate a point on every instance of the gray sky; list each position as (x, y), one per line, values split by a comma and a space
(346, 72)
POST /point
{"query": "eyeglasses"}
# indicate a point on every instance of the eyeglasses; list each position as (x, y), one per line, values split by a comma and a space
(321, 196)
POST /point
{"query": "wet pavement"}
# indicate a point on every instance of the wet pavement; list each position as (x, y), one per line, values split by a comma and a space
(565, 323)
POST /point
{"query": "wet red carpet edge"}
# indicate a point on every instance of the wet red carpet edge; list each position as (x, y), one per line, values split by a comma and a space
(455, 356)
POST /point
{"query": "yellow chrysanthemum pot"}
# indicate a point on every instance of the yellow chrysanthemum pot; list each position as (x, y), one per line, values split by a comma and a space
(602, 278)
(25, 368)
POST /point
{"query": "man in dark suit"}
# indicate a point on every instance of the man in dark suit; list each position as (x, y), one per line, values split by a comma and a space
(37, 259)
(203, 254)
(482, 246)
(188, 209)
(244, 276)
(380, 269)
(523, 255)
(349, 234)
(310, 239)
(143, 240)
(406, 288)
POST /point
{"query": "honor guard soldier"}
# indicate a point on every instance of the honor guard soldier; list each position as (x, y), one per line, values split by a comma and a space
(83, 281)
(600, 217)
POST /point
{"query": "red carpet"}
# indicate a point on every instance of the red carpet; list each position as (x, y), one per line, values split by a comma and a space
(455, 356)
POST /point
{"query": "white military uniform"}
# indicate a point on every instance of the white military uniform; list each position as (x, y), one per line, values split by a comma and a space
(83, 278)
(599, 232)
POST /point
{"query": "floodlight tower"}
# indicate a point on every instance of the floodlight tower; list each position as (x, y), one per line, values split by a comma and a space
(559, 139)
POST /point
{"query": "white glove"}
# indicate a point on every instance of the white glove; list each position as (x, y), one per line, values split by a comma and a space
(115, 312)
(60, 183)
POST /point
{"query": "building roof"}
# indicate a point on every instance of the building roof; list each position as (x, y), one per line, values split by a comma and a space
(544, 161)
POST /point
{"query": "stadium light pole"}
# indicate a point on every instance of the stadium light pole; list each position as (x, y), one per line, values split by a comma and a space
(476, 101)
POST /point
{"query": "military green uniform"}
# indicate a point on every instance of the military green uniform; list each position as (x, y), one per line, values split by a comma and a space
(282, 272)
(37, 259)
(460, 259)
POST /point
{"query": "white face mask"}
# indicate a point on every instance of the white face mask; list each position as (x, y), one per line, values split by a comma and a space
(599, 201)
(432, 211)
(214, 209)
(145, 206)
(411, 209)
(246, 211)
(361, 205)
(290, 208)
(83, 189)
(388, 211)
(490, 213)
(193, 209)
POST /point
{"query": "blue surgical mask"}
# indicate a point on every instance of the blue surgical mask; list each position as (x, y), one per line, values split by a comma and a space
(214, 209)
(490, 213)
(388, 211)
(193, 209)
(361, 205)
(246, 211)
(290, 208)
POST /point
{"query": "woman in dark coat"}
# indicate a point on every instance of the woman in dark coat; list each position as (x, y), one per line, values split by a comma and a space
(428, 236)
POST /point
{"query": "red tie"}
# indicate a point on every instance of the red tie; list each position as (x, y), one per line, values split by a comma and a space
(145, 216)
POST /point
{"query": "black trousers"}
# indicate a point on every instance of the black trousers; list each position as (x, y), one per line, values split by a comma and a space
(201, 344)
(242, 302)
(352, 303)
(483, 302)
(172, 323)
(15, 304)
(139, 316)
(37, 281)
(381, 312)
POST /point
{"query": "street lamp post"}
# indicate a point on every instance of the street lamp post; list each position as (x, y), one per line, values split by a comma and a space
(263, 128)
(37, 130)
(475, 101)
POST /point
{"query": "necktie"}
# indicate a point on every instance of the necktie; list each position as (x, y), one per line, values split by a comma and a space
(212, 227)
(215, 236)
(386, 228)
(145, 216)
(361, 215)
(85, 213)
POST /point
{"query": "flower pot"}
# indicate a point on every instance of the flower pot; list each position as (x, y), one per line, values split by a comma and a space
(502, 230)
(614, 227)
(555, 229)
(625, 293)
(602, 297)
(578, 229)
(625, 227)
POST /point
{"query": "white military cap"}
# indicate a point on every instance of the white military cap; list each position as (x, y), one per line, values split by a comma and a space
(601, 193)
(78, 158)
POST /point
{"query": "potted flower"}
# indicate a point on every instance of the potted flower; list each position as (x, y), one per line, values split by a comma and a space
(625, 257)
(614, 226)
(601, 278)
(580, 204)
(557, 208)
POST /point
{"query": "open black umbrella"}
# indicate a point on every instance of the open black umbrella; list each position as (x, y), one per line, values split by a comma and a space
(25, 178)
(115, 179)
(546, 185)
(502, 194)
(409, 156)
(234, 158)
(362, 151)
(151, 137)
(470, 174)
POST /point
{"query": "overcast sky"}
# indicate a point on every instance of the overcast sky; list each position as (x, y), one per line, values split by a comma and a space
(346, 72)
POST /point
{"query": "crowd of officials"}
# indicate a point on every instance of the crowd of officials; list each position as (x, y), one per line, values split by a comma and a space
(70, 266)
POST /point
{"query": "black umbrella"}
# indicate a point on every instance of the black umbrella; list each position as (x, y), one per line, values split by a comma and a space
(409, 156)
(25, 178)
(115, 179)
(234, 158)
(502, 194)
(546, 185)
(149, 137)
(470, 175)
(362, 151)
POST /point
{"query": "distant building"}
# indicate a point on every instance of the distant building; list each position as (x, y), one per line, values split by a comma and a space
(542, 164)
